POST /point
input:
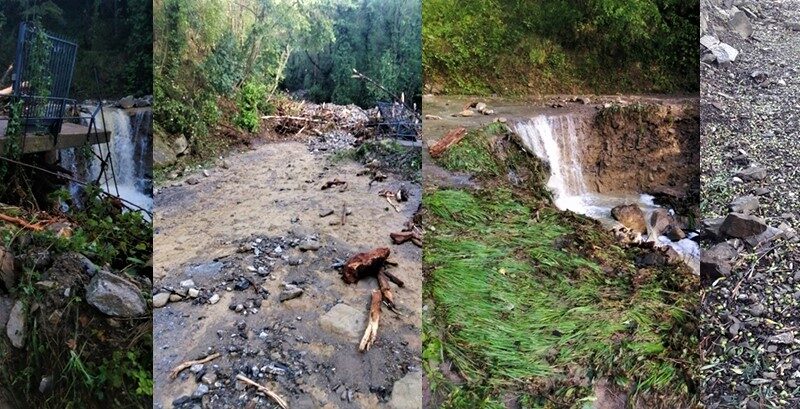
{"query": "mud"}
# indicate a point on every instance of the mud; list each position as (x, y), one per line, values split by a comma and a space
(238, 234)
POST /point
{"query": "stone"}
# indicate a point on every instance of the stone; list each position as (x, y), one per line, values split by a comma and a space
(406, 392)
(192, 181)
(725, 53)
(325, 213)
(742, 226)
(480, 106)
(201, 391)
(160, 299)
(746, 204)
(290, 292)
(708, 41)
(15, 328)
(767, 236)
(753, 173)
(740, 24)
(127, 102)
(209, 378)
(206, 173)
(214, 299)
(73, 262)
(115, 296)
(310, 245)
(761, 191)
(631, 216)
(175, 297)
(467, 112)
(711, 226)
(197, 368)
(7, 268)
(46, 385)
(344, 320)
(662, 223)
(194, 293)
(786, 338)
(187, 283)
(180, 145)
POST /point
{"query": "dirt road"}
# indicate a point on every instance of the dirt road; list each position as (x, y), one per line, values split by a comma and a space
(241, 234)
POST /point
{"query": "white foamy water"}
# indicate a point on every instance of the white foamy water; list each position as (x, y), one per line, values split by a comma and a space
(557, 140)
(126, 157)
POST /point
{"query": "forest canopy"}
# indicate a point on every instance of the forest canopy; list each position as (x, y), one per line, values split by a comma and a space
(250, 51)
(114, 41)
(560, 46)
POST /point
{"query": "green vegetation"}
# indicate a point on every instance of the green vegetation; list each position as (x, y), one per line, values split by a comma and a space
(114, 41)
(539, 304)
(559, 46)
(524, 297)
(223, 65)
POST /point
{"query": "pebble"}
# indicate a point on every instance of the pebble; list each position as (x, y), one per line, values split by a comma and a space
(214, 299)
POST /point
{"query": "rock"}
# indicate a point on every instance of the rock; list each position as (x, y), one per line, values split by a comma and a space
(7, 268)
(201, 391)
(631, 216)
(746, 204)
(187, 283)
(480, 107)
(127, 102)
(742, 226)
(15, 328)
(757, 310)
(768, 235)
(142, 103)
(115, 296)
(180, 145)
(759, 75)
(175, 298)
(724, 53)
(197, 368)
(761, 191)
(345, 320)
(46, 385)
(708, 41)
(192, 181)
(467, 112)
(711, 226)
(194, 293)
(290, 292)
(406, 392)
(663, 224)
(73, 262)
(310, 245)
(326, 212)
(214, 299)
(160, 299)
(753, 173)
(740, 24)
(206, 173)
(209, 378)
(786, 338)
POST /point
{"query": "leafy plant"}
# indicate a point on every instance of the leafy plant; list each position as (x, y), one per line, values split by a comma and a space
(252, 102)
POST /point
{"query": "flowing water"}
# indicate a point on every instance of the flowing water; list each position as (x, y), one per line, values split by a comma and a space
(557, 140)
(130, 147)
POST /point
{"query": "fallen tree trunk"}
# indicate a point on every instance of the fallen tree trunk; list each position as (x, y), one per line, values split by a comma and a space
(451, 138)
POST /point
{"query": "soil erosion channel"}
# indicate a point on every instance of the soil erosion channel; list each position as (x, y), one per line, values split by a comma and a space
(250, 235)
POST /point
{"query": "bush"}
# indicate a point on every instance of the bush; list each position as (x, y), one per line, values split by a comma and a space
(252, 102)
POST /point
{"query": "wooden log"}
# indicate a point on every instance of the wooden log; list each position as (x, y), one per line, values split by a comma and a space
(371, 333)
(452, 137)
(383, 283)
(395, 279)
(364, 264)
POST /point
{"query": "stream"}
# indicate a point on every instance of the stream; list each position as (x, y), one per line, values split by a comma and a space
(131, 146)
(557, 139)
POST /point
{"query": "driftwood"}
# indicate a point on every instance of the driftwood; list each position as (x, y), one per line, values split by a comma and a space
(274, 396)
(188, 364)
(364, 264)
(451, 138)
(371, 333)
(383, 284)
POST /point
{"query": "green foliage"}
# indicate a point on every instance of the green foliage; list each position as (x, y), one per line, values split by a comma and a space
(251, 102)
(512, 308)
(224, 67)
(557, 46)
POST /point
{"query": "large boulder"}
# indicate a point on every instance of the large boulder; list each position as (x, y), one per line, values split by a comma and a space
(115, 296)
(631, 216)
(742, 226)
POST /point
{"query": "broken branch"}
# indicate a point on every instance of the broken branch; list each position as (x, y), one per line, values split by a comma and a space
(450, 138)
(277, 398)
(188, 364)
(371, 333)
(21, 223)
(383, 283)
(393, 278)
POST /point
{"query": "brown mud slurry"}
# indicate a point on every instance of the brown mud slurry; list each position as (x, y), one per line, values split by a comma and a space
(238, 234)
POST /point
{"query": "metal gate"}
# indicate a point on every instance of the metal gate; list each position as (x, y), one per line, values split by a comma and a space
(51, 71)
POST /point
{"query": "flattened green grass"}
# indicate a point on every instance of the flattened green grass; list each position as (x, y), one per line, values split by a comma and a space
(512, 311)
(473, 153)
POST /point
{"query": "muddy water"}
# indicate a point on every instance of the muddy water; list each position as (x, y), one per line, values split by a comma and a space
(272, 195)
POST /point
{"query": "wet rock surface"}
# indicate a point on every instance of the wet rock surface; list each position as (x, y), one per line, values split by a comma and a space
(751, 146)
(267, 280)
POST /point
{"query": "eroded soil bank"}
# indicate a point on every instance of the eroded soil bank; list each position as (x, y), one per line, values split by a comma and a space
(241, 234)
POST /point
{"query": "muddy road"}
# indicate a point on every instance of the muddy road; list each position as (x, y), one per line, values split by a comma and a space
(244, 241)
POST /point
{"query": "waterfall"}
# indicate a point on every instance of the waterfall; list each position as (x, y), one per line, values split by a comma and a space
(130, 145)
(555, 139)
